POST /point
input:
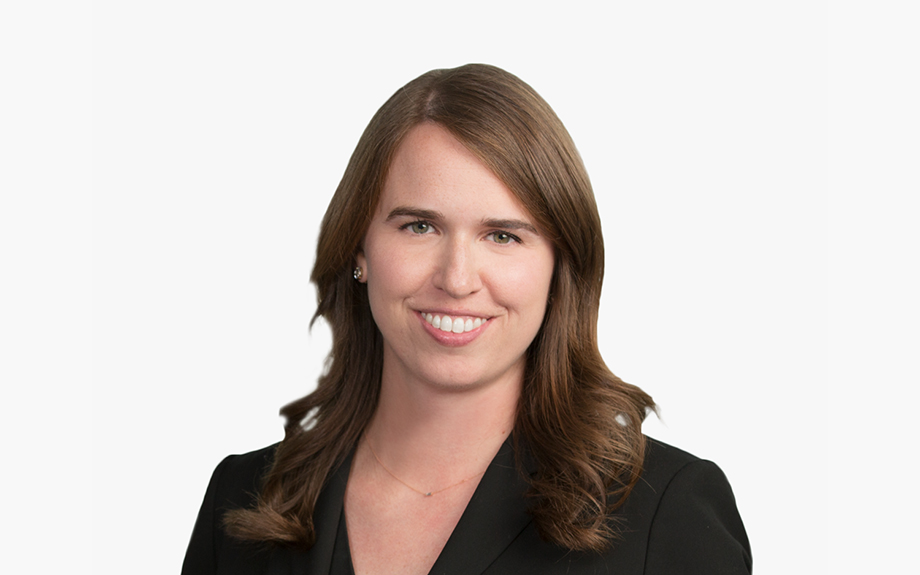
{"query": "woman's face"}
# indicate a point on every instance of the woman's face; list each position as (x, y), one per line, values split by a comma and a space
(457, 273)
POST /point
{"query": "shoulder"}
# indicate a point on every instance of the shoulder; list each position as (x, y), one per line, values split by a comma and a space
(238, 478)
(686, 510)
(661, 456)
(663, 463)
(234, 484)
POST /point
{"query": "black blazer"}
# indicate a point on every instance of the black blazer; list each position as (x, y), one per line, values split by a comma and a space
(680, 519)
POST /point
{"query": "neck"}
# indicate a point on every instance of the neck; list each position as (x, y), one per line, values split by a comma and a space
(434, 435)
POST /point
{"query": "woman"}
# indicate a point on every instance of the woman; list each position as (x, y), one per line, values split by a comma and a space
(467, 423)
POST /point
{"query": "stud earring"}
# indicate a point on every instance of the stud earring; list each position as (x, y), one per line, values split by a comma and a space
(358, 273)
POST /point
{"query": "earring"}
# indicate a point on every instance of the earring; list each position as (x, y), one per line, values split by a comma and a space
(358, 273)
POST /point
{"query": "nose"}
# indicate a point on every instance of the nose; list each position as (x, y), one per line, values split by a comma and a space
(458, 272)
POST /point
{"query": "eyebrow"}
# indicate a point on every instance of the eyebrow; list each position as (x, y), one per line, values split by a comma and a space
(511, 225)
(419, 213)
(432, 215)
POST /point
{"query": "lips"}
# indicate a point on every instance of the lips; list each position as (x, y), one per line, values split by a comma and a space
(455, 324)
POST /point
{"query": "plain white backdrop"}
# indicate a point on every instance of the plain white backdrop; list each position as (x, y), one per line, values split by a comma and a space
(218, 132)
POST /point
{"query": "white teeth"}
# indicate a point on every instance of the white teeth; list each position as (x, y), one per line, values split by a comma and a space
(458, 325)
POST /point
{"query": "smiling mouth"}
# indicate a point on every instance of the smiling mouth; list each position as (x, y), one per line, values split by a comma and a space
(454, 324)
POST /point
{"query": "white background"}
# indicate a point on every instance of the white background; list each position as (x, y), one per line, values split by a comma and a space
(166, 165)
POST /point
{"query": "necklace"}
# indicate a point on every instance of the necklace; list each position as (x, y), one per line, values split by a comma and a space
(419, 491)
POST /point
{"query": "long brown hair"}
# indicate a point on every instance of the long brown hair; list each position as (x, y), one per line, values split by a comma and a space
(580, 423)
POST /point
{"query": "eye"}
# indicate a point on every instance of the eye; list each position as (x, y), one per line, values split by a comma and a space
(419, 227)
(503, 238)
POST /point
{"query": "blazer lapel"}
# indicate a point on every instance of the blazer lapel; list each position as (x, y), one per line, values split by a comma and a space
(494, 517)
(318, 560)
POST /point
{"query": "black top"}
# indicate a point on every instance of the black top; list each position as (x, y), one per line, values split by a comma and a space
(341, 553)
(681, 518)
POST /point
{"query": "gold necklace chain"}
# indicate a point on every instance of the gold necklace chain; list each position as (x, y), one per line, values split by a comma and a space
(419, 491)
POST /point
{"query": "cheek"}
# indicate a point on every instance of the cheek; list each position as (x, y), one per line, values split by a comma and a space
(390, 274)
(525, 285)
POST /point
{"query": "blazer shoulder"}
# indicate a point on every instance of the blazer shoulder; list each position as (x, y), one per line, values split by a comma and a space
(238, 478)
(235, 484)
(694, 525)
(663, 458)
(662, 463)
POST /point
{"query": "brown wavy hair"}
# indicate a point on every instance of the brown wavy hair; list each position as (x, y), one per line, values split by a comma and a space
(580, 423)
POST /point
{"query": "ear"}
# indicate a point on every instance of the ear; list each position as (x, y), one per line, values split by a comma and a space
(361, 262)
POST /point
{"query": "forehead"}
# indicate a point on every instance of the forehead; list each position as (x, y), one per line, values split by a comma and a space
(432, 167)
